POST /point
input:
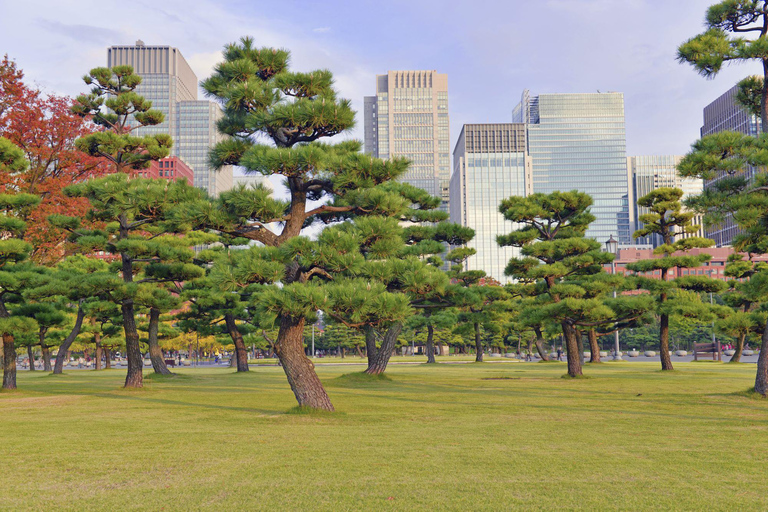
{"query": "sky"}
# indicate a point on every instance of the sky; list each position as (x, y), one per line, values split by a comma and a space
(491, 50)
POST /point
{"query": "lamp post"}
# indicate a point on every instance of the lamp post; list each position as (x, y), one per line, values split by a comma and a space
(612, 246)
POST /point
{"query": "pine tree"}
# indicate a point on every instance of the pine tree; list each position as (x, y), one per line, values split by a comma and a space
(729, 23)
(562, 262)
(15, 274)
(142, 229)
(667, 219)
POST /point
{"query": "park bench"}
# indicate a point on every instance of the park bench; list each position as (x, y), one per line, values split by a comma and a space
(170, 362)
(707, 348)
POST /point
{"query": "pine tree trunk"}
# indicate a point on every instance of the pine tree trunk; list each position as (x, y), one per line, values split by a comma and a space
(46, 355)
(241, 354)
(761, 379)
(9, 362)
(594, 348)
(31, 357)
(370, 344)
(61, 356)
(478, 344)
(539, 344)
(378, 364)
(572, 350)
(108, 359)
(739, 348)
(430, 344)
(666, 360)
(135, 377)
(298, 367)
(359, 351)
(155, 353)
(99, 350)
(580, 342)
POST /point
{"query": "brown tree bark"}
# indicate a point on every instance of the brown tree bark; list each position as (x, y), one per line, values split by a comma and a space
(539, 344)
(9, 362)
(99, 350)
(298, 367)
(580, 343)
(572, 350)
(594, 348)
(736, 357)
(478, 344)
(359, 351)
(135, 376)
(108, 359)
(61, 356)
(370, 344)
(155, 352)
(31, 357)
(378, 364)
(46, 354)
(241, 354)
(761, 378)
(666, 360)
(430, 344)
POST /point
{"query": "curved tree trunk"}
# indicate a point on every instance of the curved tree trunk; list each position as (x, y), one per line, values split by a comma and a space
(539, 344)
(46, 354)
(572, 350)
(64, 348)
(155, 353)
(31, 357)
(9, 362)
(298, 367)
(478, 344)
(108, 359)
(761, 379)
(359, 351)
(241, 354)
(135, 376)
(580, 341)
(380, 360)
(594, 348)
(739, 348)
(666, 360)
(430, 344)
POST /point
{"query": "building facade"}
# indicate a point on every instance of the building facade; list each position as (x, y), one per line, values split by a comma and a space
(251, 179)
(578, 142)
(408, 117)
(171, 168)
(724, 114)
(648, 173)
(490, 164)
(171, 85)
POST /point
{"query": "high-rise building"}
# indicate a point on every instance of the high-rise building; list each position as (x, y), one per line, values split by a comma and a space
(171, 168)
(648, 173)
(251, 179)
(408, 117)
(171, 85)
(724, 114)
(489, 164)
(578, 142)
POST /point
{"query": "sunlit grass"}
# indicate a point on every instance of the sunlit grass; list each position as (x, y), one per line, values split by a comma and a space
(436, 437)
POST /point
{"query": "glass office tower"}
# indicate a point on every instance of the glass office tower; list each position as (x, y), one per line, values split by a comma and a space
(171, 85)
(578, 142)
(408, 117)
(490, 164)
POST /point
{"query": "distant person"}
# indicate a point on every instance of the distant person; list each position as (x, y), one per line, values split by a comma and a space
(559, 353)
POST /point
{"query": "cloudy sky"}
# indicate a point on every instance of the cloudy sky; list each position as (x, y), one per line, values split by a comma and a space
(491, 50)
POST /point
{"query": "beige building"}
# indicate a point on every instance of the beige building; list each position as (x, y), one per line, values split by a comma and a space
(171, 85)
(408, 117)
(648, 173)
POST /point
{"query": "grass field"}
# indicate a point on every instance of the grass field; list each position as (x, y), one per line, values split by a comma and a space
(445, 437)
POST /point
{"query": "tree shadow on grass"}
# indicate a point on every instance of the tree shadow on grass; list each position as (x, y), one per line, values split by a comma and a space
(165, 401)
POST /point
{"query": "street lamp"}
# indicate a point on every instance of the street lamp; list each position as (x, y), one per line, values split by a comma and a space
(612, 246)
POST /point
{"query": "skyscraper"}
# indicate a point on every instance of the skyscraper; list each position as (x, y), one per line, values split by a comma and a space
(489, 164)
(724, 114)
(409, 117)
(578, 142)
(171, 85)
(648, 173)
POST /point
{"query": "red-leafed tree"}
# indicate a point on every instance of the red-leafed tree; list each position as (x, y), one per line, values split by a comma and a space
(43, 127)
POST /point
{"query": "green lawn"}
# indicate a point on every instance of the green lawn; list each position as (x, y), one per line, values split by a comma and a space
(446, 437)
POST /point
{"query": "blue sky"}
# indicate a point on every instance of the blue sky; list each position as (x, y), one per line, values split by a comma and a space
(491, 50)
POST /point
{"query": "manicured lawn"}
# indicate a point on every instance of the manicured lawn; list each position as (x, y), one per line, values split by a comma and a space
(447, 437)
